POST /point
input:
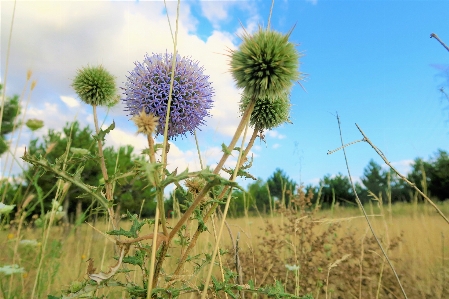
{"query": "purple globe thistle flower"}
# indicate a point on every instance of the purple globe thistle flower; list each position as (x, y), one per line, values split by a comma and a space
(148, 86)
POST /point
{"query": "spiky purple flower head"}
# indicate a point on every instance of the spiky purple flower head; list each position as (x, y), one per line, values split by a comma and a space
(148, 86)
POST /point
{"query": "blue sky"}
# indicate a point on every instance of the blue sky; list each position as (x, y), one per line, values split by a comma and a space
(372, 62)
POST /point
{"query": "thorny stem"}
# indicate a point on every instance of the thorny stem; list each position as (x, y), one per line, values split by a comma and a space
(151, 148)
(438, 39)
(153, 256)
(205, 190)
(364, 212)
(108, 185)
(225, 212)
(365, 138)
(214, 206)
(245, 118)
(60, 193)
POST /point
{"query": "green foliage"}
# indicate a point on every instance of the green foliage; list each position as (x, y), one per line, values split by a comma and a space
(281, 186)
(432, 176)
(11, 110)
(338, 187)
(119, 163)
(133, 231)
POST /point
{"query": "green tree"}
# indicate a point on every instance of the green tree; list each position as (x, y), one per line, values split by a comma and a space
(10, 111)
(129, 192)
(339, 187)
(432, 177)
(258, 194)
(281, 186)
(375, 179)
(382, 183)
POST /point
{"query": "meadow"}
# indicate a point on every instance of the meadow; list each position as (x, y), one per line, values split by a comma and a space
(271, 248)
(294, 249)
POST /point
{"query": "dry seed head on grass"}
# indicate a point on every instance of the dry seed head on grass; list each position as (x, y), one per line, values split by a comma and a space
(339, 261)
(29, 74)
(146, 123)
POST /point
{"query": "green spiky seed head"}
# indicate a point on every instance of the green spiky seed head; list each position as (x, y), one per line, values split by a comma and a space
(268, 113)
(266, 64)
(95, 86)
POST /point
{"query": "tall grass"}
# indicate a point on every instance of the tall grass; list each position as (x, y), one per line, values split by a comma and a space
(298, 251)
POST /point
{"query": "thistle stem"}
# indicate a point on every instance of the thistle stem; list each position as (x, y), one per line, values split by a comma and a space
(108, 185)
(245, 119)
(228, 201)
(213, 208)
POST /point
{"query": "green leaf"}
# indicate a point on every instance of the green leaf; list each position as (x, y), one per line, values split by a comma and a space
(225, 150)
(101, 135)
(64, 175)
(121, 232)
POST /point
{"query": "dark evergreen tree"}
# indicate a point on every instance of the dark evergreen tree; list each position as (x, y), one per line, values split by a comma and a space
(281, 186)
(258, 193)
(432, 176)
(339, 187)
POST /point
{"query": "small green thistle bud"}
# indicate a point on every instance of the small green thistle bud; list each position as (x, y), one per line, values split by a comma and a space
(266, 64)
(268, 113)
(34, 124)
(95, 86)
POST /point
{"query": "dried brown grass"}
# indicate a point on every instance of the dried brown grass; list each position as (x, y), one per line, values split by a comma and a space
(312, 240)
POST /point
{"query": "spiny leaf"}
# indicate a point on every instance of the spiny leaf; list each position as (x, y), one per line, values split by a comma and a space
(101, 135)
(64, 175)
(225, 150)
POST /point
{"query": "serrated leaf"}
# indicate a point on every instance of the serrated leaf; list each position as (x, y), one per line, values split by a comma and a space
(224, 149)
(102, 134)
(43, 164)
(121, 232)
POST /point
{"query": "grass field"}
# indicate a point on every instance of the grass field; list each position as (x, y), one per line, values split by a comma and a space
(311, 246)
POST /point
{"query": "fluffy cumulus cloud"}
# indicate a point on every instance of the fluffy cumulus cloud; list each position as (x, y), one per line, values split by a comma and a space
(71, 102)
(55, 39)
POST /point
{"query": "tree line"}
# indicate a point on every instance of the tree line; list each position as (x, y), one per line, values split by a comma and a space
(431, 176)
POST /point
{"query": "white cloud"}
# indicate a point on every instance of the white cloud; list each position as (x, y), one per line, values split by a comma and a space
(275, 134)
(117, 37)
(218, 11)
(71, 35)
(51, 114)
(119, 137)
(70, 101)
(404, 166)
(276, 145)
(313, 2)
